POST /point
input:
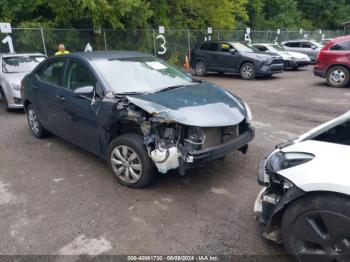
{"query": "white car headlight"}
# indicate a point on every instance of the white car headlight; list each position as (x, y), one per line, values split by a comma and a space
(249, 112)
(16, 86)
(280, 160)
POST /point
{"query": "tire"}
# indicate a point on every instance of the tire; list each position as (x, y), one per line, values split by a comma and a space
(317, 228)
(120, 152)
(337, 76)
(3, 101)
(200, 68)
(34, 123)
(247, 71)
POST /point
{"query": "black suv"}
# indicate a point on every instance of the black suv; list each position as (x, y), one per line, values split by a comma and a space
(233, 57)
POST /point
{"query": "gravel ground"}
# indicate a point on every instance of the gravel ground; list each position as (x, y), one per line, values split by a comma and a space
(58, 199)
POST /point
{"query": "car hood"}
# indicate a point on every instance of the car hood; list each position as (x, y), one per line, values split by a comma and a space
(203, 104)
(261, 54)
(14, 78)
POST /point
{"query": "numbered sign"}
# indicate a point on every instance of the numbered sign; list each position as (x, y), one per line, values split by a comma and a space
(88, 48)
(8, 40)
(162, 41)
(210, 30)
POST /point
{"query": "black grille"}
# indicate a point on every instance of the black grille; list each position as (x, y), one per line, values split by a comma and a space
(277, 61)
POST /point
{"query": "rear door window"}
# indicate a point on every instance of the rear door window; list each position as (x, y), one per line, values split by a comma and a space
(213, 46)
(293, 44)
(341, 46)
(306, 45)
(261, 48)
(52, 72)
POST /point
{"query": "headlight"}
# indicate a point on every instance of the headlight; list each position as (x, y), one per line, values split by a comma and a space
(16, 86)
(280, 160)
(249, 112)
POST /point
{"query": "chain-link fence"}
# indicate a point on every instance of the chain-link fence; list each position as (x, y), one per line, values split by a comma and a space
(172, 45)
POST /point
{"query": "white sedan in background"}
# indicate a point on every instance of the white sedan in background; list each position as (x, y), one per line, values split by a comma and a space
(291, 60)
(305, 202)
(13, 69)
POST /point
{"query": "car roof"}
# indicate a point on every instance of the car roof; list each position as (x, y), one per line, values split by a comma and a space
(299, 40)
(20, 54)
(103, 55)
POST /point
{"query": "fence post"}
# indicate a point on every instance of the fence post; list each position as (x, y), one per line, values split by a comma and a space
(43, 39)
(104, 38)
(154, 43)
(189, 44)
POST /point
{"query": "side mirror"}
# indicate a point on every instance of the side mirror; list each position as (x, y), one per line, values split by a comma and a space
(232, 51)
(313, 47)
(83, 91)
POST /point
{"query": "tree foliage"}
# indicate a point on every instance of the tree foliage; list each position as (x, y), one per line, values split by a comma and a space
(176, 14)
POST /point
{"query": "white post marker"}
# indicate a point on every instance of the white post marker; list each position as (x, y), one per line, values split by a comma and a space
(88, 48)
(5, 28)
(8, 40)
(210, 30)
(301, 31)
(320, 31)
(278, 31)
(161, 29)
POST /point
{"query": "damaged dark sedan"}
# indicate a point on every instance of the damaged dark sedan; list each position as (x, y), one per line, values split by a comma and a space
(135, 111)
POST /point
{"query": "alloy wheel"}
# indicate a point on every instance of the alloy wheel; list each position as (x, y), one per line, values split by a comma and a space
(247, 71)
(322, 235)
(33, 121)
(200, 68)
(337, 77)
(126, 164)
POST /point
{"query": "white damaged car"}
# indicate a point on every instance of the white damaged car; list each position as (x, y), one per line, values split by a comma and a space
(305, 202)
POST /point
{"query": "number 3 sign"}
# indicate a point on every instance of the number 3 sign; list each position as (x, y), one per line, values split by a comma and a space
(162, 45)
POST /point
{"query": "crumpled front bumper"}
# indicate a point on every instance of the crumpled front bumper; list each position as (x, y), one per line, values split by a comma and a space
(200, 157)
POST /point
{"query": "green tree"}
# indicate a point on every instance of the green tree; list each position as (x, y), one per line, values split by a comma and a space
(325, 14)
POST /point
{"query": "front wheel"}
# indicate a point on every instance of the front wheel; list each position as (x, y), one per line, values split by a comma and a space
(129, 161)
(248, 71)
(317, 228)
(337, 76)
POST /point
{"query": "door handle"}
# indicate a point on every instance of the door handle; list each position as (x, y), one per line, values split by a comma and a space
(34, 87)
(61, 98)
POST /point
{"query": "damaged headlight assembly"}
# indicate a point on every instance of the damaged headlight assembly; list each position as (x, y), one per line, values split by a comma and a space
(279, 161)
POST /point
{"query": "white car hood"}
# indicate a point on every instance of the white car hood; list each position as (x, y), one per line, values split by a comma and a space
(328, 171)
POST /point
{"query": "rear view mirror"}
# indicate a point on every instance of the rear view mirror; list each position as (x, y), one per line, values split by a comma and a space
(84, 90)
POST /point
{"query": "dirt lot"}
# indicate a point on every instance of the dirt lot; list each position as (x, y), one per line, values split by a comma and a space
(58, 199)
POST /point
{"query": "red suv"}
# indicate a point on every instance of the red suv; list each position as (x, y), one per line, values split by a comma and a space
(333, 62)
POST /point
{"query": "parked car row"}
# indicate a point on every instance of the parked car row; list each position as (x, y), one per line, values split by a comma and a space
(248, 61)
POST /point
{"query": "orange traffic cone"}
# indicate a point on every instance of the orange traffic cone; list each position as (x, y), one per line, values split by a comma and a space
(186, 64)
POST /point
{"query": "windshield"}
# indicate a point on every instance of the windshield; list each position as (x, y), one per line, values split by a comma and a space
(140, 75)
(20, 64)
(243, 47)
(277, 48)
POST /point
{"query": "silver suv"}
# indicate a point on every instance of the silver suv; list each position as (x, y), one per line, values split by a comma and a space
(308, 47)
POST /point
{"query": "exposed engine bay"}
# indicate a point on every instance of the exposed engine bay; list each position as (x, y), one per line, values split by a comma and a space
(174, 145)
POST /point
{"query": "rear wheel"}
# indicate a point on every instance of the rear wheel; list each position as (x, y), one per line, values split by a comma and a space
(129, 161)
(200, 68)
(3, 100)
(34, 123)
(317, 228)
(338, 76)
(247, 71)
